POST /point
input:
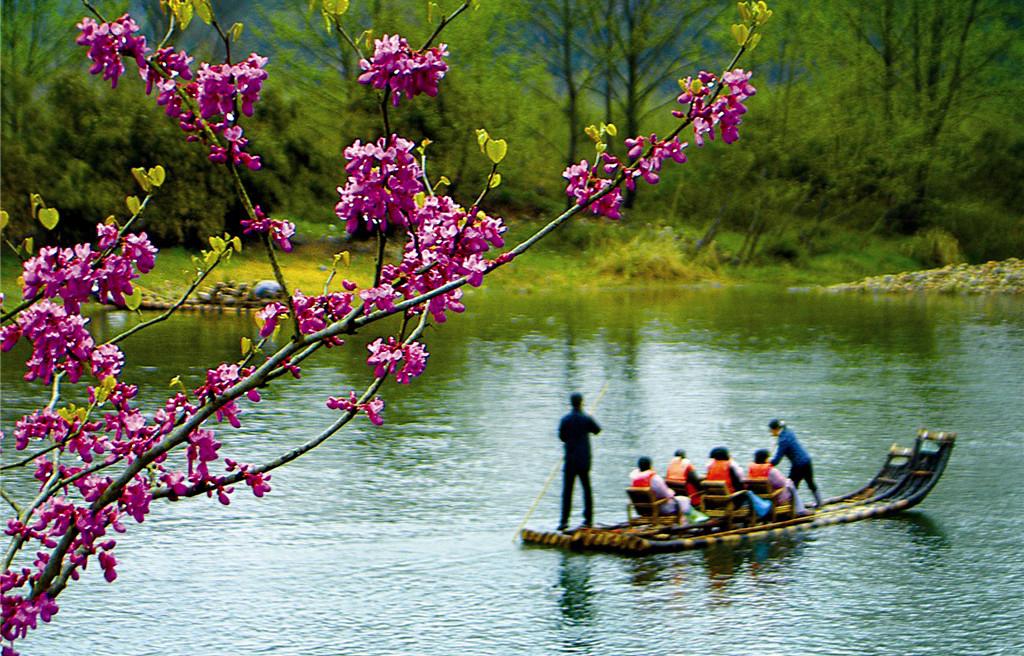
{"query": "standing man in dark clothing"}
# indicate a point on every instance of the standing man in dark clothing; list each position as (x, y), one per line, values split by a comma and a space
(801, 468)
(575, 431)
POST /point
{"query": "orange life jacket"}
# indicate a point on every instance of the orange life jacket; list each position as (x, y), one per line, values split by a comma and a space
(644, 479)
(679, 472)
(718, 470)
(758, 470)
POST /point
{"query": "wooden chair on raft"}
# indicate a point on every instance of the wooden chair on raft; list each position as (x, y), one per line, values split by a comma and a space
(647, 508)
(681, 491)
(717, 503)
(762, 487)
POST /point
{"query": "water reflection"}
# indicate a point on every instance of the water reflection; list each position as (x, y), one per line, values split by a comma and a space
(576, 601)
(924, 530)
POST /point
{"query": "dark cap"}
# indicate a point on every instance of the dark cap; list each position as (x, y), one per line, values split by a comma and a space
(776, 424)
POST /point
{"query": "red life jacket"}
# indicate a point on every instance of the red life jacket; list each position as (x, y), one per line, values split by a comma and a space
(758, 470)
(644, 479)
(718, 470)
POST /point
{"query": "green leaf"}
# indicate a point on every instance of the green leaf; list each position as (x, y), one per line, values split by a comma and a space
(37, 202)
(157, 175)
(104, 389)
(140, 176)
(431, 8)
(176, 381)
(236, 31)
(334, 8)
(481, 138)
(204, 10)
(495, 180)
(236, 243)
(443, 180)
(49, 217)
(134, 301)
(217, 244)
(133, 204)
(29, 244)
(346, 257)
(420, 199)
(5, 218)
(246, 345)
(496, 150)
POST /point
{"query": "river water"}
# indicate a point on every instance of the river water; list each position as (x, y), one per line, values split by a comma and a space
(399, 539)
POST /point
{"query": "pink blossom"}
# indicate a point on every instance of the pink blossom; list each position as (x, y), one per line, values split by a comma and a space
(108, 562)
(59, 341)
(583, 184)
(280, 231)
(384, 356)
(268, 315)
(351, 404)
(403, 71)
(106, 360)
(383, 179)
(107, 42)
(135, 499)
(381, 297)
(217, 382)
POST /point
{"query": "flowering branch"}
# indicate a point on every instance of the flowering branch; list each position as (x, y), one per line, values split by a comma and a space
(447, 248)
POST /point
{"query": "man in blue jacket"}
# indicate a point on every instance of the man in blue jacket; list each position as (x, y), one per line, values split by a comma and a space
(575, 431)
(801, 468)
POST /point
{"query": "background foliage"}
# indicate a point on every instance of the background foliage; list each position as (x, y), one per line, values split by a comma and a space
(873, 116)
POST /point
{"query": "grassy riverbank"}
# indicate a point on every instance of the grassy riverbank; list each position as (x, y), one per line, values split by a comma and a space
(588, 254)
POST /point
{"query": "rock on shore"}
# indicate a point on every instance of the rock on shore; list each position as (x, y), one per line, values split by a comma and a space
(1004, 277)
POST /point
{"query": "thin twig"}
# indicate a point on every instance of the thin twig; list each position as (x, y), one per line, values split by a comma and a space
(444, 23)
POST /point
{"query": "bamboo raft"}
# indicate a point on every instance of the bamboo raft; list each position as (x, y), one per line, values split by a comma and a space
(905, 479)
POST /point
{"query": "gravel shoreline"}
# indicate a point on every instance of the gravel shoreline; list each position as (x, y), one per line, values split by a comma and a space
(1003, 277)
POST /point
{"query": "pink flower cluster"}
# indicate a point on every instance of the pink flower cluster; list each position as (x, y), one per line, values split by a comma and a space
(268, 316)
(60, 341)
(383, 179)
(21, 614)
(108, 42)
(217, 382)
(220, 90)
(75, 273)
(315, 312)
(583, 183)
(724, 112)
(404, 71)
(350, 403)
(406, 361)
(445, 243)
(727, 109)
(281, 231)
(259, 482)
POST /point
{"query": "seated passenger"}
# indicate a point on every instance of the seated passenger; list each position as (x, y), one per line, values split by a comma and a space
(682, 472)
(761, 468)
(722, 468)
(645, 476)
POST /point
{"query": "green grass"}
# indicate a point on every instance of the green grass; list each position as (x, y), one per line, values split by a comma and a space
(586, 254)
